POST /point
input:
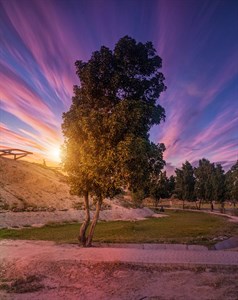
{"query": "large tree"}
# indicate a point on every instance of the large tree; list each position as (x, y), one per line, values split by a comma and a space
(106, 129)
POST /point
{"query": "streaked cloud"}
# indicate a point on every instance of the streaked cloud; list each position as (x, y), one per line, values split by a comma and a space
(40, 42)
(13, 140)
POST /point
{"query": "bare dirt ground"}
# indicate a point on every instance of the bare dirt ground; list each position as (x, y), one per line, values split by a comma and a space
(84, 280)
(43, 270)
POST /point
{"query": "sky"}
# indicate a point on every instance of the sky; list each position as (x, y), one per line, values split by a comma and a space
(197, 41)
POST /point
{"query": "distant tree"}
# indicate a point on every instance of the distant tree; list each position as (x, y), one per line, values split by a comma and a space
(189, 181)
(179, 183)
(204, 174)
(171, 185)
(159, 187)
(107, 127)
(232, 183)
(185, 181)
(219, 185)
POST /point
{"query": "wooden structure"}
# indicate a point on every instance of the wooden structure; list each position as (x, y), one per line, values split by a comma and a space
(17, 153)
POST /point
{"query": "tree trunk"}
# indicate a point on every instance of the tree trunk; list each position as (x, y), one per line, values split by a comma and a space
(155, 203)
(200, 204)
(84, 226)
(196, 205)
(183, 203)
(222, 207)
(212, 206)
(94, 223)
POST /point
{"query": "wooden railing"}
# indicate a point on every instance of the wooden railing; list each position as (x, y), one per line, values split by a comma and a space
(17, 153)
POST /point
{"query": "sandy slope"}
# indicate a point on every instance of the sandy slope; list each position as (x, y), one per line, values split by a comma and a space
(26, 184)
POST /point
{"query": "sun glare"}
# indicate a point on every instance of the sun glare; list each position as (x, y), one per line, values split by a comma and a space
(54, 154)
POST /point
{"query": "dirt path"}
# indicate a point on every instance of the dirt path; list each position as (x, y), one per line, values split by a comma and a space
(43, 250)
(43, 270)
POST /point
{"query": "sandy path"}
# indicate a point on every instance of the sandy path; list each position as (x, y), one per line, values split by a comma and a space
(43, 250)
(42, 270)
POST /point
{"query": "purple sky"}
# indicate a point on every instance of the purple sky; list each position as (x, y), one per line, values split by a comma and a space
(197, 40)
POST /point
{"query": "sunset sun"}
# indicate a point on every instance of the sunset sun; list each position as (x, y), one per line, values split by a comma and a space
(54, 154)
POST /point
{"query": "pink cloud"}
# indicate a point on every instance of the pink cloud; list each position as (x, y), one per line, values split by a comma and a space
(185, 107)
(18, 98)
(10, 138)
(13, 86)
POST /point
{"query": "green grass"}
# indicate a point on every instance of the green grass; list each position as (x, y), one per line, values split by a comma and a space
(179, 227)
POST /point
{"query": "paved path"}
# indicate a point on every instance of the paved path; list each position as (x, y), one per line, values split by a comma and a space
(41, 250)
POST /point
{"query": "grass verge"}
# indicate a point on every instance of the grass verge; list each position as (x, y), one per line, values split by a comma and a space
(180, 227)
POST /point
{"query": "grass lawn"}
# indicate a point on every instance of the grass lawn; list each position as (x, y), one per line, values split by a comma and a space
(179, 227)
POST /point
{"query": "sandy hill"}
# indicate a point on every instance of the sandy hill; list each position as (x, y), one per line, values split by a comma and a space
(41, 195)
(30, 186)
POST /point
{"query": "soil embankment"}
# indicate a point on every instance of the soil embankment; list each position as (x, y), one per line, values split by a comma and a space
(29, 186)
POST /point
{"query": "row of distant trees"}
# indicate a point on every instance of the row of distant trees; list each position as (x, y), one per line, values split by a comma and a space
(207, 183)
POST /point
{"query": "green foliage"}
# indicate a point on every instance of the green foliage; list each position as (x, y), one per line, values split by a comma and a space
(185, 182)
(232, 183)
(171, 185)
(159, 187)
(137, 197)
(219, 187)
(210, 181)
(204, 173)
(106, 129)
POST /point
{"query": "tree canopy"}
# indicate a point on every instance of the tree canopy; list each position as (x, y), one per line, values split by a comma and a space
(204, 173)
(232, 183)
(106, 129)
(206, 182)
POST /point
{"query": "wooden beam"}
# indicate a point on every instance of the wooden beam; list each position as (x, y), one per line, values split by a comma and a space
(20, 156)
(17, 153)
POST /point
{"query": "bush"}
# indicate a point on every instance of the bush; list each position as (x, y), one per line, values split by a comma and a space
(137, 198)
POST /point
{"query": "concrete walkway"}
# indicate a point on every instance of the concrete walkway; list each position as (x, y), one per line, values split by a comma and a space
(48, 251)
